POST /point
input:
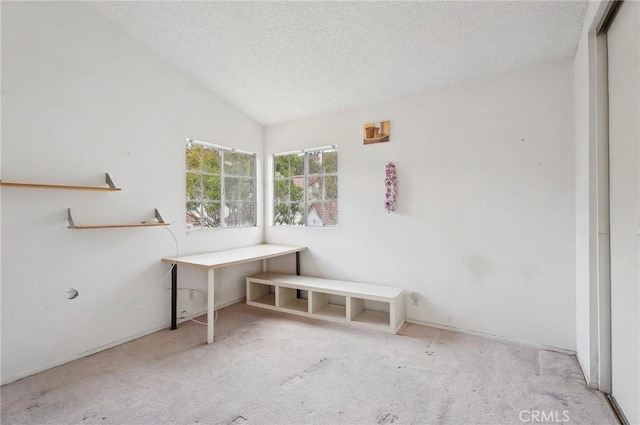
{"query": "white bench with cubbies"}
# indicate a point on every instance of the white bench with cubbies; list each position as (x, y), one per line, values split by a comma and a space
(367, 306)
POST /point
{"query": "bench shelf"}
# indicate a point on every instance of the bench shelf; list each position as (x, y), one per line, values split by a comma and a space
(367, 306)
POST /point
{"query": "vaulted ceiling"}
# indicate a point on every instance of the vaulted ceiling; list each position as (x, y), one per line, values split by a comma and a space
(282, 61)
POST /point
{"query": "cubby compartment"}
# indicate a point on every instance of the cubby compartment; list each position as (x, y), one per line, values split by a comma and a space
(293, 299)
(261, 293)
(328, 305)
(370, 311)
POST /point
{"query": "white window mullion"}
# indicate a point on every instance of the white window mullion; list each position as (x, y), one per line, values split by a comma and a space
(223, 190)
(305, 181)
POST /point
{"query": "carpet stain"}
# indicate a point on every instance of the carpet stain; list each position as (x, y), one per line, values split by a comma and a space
(314, 367)
(239, 420)
(322, 363)
(557, 397)
(387, 419)
(291, 379)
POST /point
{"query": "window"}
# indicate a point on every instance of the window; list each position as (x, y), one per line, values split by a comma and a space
(306, 188)
(221, 186)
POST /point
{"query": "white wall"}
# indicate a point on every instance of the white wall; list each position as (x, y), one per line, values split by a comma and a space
(80, 99)
(484, 229)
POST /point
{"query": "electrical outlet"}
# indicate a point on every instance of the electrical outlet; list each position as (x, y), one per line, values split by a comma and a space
(415, 298)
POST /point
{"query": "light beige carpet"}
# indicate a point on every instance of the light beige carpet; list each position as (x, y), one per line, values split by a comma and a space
(272, 368)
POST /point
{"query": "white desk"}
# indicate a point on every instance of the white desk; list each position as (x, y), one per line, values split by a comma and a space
(215, 260)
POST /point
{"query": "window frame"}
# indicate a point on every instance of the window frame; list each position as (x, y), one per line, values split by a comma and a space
(306, 203)
(223, 176)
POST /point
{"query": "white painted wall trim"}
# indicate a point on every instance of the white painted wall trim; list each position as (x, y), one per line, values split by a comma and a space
(115, 343)
(585, 373)
(492, 337)
(87, 353)
(431, 325)
(599, 298)
(218, 307)
(603, 224)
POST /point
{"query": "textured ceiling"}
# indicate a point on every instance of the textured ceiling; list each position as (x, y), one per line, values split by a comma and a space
(281, 61)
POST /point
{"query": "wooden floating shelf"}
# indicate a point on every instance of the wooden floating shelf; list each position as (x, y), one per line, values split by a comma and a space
(110, 186)
(158, 217)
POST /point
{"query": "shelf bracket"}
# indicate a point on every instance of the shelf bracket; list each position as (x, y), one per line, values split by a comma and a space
(72, 225)
(107, 177)
(158, 216)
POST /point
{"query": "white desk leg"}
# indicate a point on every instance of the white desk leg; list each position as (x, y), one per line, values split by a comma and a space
(211, 305)
(264, 265)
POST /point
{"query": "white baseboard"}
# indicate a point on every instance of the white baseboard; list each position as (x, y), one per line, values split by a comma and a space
(587, 378)
(493, 337)
(82, 354)
(203, 312)
(617, 410)
(111, 345)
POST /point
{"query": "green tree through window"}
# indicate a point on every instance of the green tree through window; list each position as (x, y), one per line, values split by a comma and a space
(306, 188)
(220, 187)
(289, 191)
